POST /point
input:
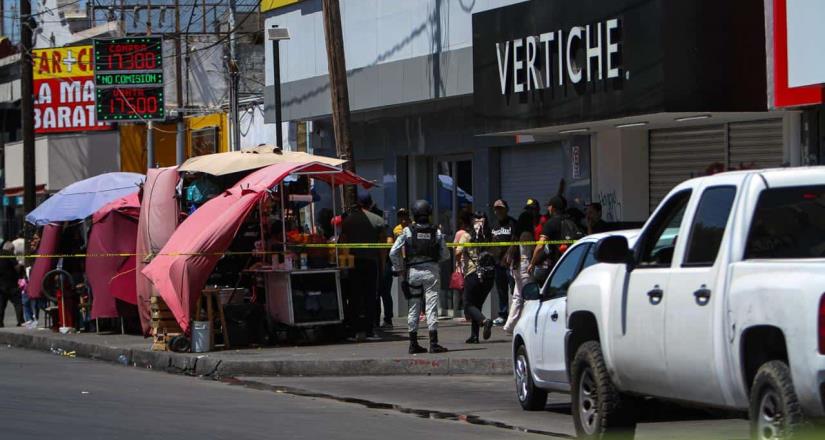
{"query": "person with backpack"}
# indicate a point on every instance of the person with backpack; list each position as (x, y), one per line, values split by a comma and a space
(479, 267)
(415, 256)
(557, 227)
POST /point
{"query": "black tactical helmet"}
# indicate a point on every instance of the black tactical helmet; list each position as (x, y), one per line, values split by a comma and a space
(421, 210)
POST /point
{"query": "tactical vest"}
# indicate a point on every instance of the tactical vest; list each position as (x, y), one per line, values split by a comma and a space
(422, 246)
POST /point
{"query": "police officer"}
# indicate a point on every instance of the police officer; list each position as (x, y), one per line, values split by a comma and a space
(415, 256)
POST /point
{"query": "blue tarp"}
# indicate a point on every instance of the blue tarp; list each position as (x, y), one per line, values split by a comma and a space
(82, 199)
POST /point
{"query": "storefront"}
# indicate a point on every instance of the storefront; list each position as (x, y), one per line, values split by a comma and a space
(661, 90)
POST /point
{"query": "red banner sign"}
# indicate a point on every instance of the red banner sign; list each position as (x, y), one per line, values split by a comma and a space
(64, 90)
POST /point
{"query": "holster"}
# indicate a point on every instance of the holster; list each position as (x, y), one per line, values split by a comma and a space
(408, 290)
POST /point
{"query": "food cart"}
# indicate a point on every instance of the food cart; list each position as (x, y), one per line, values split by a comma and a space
(301, 281)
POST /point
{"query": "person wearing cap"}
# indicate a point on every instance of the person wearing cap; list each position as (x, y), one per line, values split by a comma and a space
(551, 230)
(532, 206)
(363, 226)
(503, 230)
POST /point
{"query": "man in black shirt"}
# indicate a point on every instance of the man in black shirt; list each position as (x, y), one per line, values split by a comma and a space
(551, 231)
(595, 224)
(503, 230)
(363, 226)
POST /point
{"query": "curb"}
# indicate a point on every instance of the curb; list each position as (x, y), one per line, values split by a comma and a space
(214, 366)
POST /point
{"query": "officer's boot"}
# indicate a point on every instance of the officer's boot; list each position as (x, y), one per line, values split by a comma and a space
(434, 347)
(414, 347)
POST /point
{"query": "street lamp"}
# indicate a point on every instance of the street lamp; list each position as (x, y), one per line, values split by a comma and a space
(276, 34)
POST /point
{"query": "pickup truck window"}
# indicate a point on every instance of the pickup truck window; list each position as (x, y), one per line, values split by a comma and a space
(709, 225)
(659, 240)
(565, 272)
(788, 223)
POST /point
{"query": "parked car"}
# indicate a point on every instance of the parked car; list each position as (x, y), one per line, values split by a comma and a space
(539, 363)
(719, 304)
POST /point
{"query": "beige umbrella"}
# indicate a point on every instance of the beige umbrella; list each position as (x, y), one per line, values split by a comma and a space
(261, 156)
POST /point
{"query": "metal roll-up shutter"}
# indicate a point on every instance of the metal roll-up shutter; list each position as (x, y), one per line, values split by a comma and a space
(678, 154)
(756, 144)
(530, 171)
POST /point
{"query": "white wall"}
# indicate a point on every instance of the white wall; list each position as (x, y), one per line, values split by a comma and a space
(619, 166)
(375, 32)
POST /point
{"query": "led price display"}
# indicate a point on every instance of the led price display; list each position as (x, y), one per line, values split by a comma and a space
(130, 104)
(134, 54)
(129, 79)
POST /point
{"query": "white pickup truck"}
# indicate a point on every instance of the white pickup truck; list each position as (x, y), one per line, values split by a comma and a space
(718, 304)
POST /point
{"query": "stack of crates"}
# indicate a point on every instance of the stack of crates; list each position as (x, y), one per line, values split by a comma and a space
(164, 325)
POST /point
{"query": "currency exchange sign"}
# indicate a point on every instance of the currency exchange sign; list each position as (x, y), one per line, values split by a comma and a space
(64, 90)
(129, 79)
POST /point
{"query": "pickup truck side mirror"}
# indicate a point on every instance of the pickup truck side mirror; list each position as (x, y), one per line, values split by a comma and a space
(613, 250)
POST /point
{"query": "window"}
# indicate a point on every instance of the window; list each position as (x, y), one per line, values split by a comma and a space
(659, 240)
(590, 258)
(566, 271)
(709, 225)
(788, 223)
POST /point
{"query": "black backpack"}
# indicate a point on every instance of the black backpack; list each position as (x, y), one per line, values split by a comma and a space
(570, 230)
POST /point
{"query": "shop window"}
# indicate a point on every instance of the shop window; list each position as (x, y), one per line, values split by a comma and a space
(204, 141)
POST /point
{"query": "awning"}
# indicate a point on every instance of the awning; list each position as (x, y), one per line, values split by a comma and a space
(250, 159)
(180, 272)
(114, 231)
(159, 216)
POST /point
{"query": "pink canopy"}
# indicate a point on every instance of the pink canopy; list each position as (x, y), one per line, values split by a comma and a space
(190, 256)
(114, 231)
(49, 243)
(158, 220)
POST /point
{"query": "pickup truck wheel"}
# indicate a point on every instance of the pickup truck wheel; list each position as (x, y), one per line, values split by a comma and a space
(599, 411)
(775, 412)
(530, 397)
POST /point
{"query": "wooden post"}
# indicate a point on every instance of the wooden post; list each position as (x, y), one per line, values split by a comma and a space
(339, 93)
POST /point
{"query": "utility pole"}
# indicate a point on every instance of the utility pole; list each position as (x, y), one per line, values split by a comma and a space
(150, 133)
(338, 90)
(180, 142)
(27, 106)
(234, 131)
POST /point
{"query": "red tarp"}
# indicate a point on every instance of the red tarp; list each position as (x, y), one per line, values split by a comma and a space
(158, 220)
(114, 231)
(49, 243)
(210, 230)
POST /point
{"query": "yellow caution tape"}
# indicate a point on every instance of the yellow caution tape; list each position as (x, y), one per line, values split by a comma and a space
(299, 246)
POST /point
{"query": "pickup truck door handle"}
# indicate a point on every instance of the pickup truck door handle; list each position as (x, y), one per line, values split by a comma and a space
(555, 316)
(655, 295)
(702, 295)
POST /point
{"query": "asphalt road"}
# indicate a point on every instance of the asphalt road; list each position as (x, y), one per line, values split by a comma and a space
(44, 395)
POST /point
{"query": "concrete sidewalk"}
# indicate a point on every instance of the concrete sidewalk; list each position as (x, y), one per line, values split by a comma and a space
(387, 357)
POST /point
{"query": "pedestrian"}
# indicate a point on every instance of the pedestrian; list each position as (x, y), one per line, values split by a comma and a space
(503, 230)
(520, 257)
(551, 231)
(416, 255)
(593, 218)
(19, 244)
(534, 208)
(8, 284)
(385, 292)
(362, 226)
(479, 267)
(465, 225)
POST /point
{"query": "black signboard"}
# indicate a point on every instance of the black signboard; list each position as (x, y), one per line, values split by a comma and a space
(544, 63)
(103, 80)
(130, 104)
(132, 54)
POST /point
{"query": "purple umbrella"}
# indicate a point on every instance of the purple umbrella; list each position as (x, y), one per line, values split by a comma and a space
(81, 199)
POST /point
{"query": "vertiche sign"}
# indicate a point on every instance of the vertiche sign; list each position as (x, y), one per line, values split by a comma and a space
(64, 90)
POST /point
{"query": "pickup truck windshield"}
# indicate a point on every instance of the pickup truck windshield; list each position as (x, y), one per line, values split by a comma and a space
(788, 223)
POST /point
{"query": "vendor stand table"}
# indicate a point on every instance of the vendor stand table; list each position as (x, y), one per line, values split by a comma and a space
(303, 298)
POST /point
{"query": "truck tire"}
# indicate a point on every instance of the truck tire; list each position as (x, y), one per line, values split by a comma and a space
(599, 410)
(529, 396)
(775, 412)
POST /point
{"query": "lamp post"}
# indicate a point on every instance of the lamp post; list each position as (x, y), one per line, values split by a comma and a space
(276, 34)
